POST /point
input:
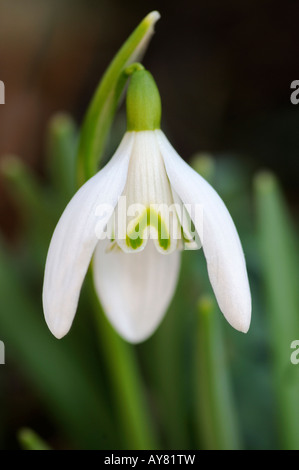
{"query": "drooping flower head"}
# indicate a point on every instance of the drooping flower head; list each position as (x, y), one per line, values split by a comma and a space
(136, 216)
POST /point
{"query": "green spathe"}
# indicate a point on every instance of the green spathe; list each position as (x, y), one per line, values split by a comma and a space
(143, 103)
(102, 109)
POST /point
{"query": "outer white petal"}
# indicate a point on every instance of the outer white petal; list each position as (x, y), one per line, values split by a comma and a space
(135, 288)
(76, 236)
(221, 243)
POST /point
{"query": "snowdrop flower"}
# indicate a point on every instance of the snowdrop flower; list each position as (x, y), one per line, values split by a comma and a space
(135, 216)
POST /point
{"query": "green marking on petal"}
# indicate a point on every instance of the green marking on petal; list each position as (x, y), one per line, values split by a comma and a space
(151, 218)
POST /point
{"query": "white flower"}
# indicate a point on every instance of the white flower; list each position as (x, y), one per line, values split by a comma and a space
(135, 278)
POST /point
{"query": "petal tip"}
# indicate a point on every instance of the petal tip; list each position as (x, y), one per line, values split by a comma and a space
(59, 331)
(244, 328)
(59, 327)
(242, 323)
(133, 337)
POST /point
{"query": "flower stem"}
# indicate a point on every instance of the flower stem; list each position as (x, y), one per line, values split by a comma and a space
(135, 422)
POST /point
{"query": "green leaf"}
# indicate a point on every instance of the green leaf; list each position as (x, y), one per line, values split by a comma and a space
(25, 187)
(29, 440)
(216, 416)
(38, 207)
(204, 164)
(279, 268)
(61, 146)
(54, 368)
(100, 114)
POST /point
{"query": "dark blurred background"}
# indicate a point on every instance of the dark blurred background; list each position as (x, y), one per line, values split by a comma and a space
(224, 71)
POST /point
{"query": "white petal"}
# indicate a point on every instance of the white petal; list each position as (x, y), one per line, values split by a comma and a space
(148, 196)
(135, 288)
(191, 241)
(221, 243)
(76, 236)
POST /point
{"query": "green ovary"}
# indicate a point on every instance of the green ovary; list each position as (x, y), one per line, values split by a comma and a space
(148, 218)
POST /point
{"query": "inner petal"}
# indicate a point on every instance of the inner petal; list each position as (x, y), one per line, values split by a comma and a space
(146, 208)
